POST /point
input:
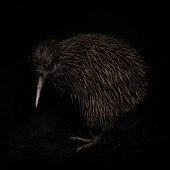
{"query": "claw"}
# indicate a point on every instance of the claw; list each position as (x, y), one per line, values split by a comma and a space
(80, 139)
(89, 142)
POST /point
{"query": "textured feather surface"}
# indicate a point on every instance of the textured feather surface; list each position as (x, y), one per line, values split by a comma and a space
(102, 73)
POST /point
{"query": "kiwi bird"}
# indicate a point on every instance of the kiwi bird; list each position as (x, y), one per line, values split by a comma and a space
(103, 74)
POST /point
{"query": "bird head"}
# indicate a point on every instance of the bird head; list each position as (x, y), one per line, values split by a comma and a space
(46, 63)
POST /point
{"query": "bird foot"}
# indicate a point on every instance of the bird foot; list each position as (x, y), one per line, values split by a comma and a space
(88, 142)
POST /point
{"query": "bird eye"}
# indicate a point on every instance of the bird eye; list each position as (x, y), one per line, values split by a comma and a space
(55, 58)
(50, 66)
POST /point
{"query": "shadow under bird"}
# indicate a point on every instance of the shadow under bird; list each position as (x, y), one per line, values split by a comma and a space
(103, 74)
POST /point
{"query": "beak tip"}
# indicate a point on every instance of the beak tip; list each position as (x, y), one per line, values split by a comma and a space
(40, 83)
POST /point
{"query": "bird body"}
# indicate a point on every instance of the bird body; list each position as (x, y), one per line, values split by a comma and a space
(103, 74)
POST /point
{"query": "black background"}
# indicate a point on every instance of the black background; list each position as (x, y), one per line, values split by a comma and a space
(23, 25)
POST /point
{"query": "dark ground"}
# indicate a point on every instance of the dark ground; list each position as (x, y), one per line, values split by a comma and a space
(40, 138)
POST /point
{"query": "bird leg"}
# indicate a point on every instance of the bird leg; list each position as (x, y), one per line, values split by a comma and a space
(88, 142)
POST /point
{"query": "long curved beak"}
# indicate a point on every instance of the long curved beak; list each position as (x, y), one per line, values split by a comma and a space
(40, 83)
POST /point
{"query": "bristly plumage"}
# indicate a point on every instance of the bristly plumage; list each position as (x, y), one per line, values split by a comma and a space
(102, 73)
